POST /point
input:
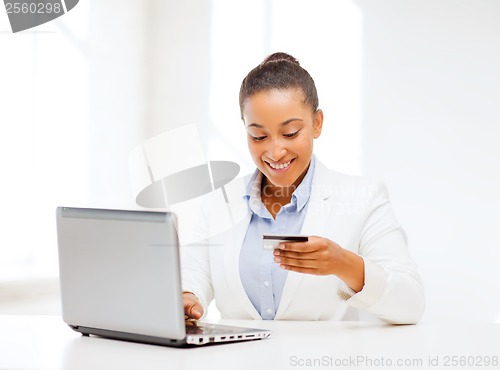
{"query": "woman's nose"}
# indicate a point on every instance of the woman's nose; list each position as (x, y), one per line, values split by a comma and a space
(276, 150)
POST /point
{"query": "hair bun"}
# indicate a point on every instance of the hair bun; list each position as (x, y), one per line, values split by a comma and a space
(280, 57)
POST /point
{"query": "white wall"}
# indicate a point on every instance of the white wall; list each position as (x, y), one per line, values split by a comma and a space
(431, 125)
(44, 139)
(117, 61)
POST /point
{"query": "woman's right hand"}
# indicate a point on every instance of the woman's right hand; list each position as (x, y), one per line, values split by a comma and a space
(192, 307)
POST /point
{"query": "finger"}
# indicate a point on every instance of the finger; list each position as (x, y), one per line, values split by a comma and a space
(195, 311)
(299, 247)
(304, 270)
(192, 308)
(299, 255)
(293, 262)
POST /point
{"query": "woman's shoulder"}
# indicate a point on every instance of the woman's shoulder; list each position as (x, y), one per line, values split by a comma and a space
(345, 184)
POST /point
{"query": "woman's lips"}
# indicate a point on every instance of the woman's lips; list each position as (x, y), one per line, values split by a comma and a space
(280, 167)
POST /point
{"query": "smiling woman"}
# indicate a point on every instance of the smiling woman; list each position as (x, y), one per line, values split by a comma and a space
(280, 131)
(278, 103)
(356, 256)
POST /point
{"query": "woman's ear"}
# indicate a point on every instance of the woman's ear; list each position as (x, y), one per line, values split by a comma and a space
(317, 123)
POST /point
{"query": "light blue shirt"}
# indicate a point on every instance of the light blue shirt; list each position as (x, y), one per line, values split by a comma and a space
(262, 278)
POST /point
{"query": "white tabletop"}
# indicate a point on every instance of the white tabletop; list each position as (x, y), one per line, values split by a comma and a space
(45, 342)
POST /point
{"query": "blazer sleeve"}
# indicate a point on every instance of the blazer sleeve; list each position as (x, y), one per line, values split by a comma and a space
(393, 290)
(195, 265)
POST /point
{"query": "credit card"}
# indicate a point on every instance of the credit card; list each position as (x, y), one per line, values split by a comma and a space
(271, 241)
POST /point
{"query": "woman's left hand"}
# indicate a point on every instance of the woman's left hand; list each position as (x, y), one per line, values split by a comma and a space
(321, 256)
(317, 256)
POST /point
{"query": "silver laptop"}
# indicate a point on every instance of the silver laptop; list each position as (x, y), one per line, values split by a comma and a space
(120, 278)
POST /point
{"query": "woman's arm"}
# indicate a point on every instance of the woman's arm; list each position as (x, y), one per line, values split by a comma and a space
(381, 278)
(195, 271)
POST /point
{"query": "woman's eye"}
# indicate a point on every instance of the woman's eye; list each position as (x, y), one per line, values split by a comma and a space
(292, 134)
(258, 138)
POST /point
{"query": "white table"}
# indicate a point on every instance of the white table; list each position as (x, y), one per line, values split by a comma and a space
(45, 342)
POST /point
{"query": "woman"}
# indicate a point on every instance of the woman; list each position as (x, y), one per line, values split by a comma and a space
(356, 256)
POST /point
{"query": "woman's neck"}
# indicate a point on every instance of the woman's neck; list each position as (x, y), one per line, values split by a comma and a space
(274, 197)
(271, 191)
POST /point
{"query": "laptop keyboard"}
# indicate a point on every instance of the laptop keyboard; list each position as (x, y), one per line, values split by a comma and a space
(209, 329)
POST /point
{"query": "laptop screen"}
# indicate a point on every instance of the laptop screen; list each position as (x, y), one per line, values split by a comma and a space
(119, 270)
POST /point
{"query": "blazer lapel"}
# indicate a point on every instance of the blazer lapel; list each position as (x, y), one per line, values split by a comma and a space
(233, 244)
(318, 211)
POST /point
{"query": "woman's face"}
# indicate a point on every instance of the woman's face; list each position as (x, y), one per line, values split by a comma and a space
(281, 129)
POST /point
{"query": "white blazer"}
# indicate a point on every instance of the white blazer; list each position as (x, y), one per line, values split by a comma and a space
(355, 212)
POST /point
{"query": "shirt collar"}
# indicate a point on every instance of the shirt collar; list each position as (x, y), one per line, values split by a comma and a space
(303, 191)
(300, 196)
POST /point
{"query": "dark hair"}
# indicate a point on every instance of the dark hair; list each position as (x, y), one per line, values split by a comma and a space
(279, 71)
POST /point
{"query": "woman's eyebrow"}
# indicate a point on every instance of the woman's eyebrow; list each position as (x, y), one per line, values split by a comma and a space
(281, 124)
(290, 120)
(255, 125)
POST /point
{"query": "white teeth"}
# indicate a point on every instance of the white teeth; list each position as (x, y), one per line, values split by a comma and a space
(280, 166)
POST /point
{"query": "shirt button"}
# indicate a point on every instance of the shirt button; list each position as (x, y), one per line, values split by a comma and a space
(269, 311)
(266, 283)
